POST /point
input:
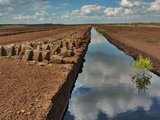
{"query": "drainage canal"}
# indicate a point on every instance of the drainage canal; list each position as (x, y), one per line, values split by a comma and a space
(104, 90)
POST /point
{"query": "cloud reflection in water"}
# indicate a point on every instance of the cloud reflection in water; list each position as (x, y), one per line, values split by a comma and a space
(110, 92)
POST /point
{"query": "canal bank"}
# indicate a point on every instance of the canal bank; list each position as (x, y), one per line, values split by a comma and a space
(60, 100)
(105, 89)
(135, 41)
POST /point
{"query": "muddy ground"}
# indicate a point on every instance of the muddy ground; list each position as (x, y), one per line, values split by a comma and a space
(135, 41)
(37, 71)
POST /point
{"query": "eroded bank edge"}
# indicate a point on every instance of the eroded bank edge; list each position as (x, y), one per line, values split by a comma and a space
(61, 99)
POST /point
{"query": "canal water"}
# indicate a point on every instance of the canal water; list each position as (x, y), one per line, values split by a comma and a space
(105, 90)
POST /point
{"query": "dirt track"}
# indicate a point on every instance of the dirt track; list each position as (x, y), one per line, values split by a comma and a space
(135, 41)
(30, 90)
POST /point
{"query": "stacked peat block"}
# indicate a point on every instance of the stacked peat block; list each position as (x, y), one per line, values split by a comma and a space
(59, 50)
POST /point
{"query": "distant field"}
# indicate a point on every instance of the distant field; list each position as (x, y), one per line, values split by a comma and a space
(20, 33)
(134, 24)
(18, 29)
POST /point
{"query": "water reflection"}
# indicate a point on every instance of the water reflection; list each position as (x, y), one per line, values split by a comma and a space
(105, 90)
(141, 80)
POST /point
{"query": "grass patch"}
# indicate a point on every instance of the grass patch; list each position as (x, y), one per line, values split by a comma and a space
(140, 76)
(142, 64)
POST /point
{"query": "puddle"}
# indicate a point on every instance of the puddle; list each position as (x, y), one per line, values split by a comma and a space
(105, 91)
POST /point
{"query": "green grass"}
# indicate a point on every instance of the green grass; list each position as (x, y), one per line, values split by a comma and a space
(141, 77)
(143, 64)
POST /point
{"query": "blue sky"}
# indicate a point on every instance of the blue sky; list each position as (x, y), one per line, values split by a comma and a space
(79, 11)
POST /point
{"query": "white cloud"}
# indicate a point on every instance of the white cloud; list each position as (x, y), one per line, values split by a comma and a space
(126, 3)
(113, 11)
(23, 17)
(110, 93)
(128, 12)
(130, 3)
(91, 9)
(1, 14)
(22, 10)
(127, 8)
(85, 12)
(4, 2)
(44, 5)
(111, 100)
(155, 6)
(38, 16)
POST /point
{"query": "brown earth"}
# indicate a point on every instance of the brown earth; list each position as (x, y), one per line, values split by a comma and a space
(37, 33)
(135, 41)
(135, 24)
(34, 90)
(26, 90)
(11, 30)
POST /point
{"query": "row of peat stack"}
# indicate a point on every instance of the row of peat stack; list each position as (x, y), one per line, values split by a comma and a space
(66, 50)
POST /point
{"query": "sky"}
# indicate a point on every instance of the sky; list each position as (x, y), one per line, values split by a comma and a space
(78, 11)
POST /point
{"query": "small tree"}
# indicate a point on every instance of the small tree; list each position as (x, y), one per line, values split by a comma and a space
(141, 77)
